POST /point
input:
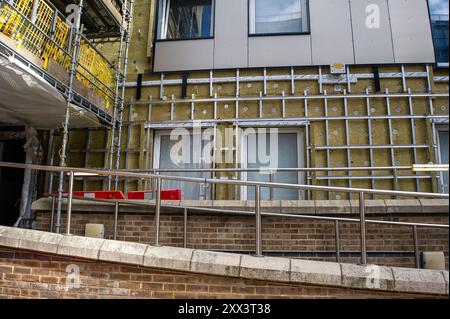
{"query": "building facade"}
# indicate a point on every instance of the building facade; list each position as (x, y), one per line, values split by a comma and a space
(345, 84)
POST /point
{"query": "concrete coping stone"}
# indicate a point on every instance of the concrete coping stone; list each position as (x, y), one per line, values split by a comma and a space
(278, 269)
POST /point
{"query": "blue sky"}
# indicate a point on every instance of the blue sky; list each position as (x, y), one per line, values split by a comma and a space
(439, 6)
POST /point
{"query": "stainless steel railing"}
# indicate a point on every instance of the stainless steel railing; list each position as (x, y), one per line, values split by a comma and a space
(257, 213)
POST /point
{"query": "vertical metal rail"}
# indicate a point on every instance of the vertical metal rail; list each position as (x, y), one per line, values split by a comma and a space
(362, 222)
(129, 18)
(72, 71)
(52, 215)
(413, 136)
(391, 140)
(416, 247)
(185, 219)
(69, 202)
(370, 139)
(337, 241)
(327, 136)
(258, 242)
(157, 210)
(439, 187)
(116, 97)
(128, 143)
(347, 140)
(147, 150)
(116, 219)
(308, 146)
(86, 155)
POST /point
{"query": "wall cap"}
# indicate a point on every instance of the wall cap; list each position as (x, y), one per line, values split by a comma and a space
(277, 269)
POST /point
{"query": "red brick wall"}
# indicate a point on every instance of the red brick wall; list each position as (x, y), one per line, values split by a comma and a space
(304, 238)
(29, 275)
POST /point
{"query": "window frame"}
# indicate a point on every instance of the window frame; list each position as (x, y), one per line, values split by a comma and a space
(158, 31)
(157, 134)
(300, 156)
(250, 19)
(440, 128)
(443, 65)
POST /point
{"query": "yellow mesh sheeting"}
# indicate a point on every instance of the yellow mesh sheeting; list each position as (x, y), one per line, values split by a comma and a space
(38, 38)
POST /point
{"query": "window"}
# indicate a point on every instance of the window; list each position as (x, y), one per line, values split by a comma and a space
(443, 154)
(278, 16)
(185, 19)
(163, 159)
(289, 155)
(439, 24)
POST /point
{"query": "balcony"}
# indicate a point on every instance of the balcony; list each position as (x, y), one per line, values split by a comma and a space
(36, 49)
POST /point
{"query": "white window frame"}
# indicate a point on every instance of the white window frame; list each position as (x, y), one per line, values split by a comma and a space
(304, 5)
(300, 156)
(440, 128)
(164, 12)
(156, 158)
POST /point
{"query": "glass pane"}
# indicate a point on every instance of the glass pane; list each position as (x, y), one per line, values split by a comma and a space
(189, 19)
(439, 22)
(188, 190)
(287, 144)
(443, 143)
(278, 16)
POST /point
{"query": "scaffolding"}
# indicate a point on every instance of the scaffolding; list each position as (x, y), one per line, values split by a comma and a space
(42, 30)
(118, 80)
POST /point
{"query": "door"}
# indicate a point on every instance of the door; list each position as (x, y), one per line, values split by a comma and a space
(164, 159)
(443, 152)
(11, 181)
(288, 153)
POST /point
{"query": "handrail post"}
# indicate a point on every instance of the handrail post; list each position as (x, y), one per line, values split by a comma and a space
(157, 209)
(185, 215)
(258, 220)
(116, 218)
(69, 202)
(338, 242)
(52, 216)
(416, 247)
(362, 221)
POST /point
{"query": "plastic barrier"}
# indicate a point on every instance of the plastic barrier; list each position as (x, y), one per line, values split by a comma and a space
(97, 194)
(167, 194)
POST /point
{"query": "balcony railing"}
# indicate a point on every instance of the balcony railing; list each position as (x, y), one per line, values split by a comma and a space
(47, 35)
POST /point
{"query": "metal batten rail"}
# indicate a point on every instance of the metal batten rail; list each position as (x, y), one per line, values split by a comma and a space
(258, 214)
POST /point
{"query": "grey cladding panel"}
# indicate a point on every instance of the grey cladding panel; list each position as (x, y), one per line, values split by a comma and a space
(371, 31)
(280, 51)
(230, 46)
(331, 32)
(411, 31)
(184, 55)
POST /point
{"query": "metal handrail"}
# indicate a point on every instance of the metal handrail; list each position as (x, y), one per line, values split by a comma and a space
(257, 185)
(272, 169)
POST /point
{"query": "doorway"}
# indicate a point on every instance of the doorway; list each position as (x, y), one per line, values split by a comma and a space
(11, 181)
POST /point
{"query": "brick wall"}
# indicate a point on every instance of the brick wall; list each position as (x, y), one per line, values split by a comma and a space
(26, 274)
(387, 245)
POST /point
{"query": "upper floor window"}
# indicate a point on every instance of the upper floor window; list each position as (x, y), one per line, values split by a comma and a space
(278, 16)
(439, 24)
(185, 19)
